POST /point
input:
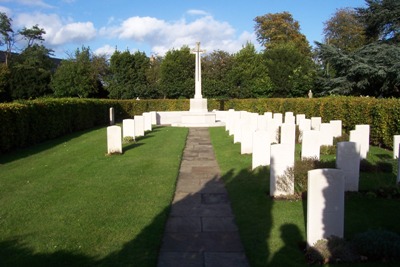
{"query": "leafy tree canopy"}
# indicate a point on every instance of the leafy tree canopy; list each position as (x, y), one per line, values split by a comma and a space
(275, 29)
(344, 30)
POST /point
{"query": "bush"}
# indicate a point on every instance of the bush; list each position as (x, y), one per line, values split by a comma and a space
(334, 249)
(301, 168)
(378, 245)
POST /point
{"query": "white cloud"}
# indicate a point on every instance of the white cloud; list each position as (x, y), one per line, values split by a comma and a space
(197, 12)
(162, 36)
(107, 50)
(6, 10)
(58, 31)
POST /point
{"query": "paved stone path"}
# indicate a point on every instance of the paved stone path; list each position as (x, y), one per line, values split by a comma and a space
(201, 230)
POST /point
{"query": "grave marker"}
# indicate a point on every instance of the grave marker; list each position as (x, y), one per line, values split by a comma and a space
(325, 204)
(261, 149)
(281, 175)
(348, 160)
(114, 140)
(310, 147)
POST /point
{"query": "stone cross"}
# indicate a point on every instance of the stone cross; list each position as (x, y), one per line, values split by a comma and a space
(197, 79)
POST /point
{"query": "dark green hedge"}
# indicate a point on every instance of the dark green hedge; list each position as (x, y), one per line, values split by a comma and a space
(26, 123)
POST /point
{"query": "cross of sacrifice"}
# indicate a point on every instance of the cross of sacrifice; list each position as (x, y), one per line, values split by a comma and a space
(197, 52)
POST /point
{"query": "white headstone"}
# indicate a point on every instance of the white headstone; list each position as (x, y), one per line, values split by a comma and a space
(261, 149)
(273, 130)
(278, 117)
(365, 129)
(229, 120)
(326, 137)
(289, 117)
(268, 115)
(336, 128)
(310, 147)
(398, 168)
(360, 136)
(281, 175)
(112, 116)
(325, 204)
(253, 121)
(262, 122)
(128, 128)
(235, 121)
(153, 117)
(315, 123)
(147, 121)
(114, 139)
(304, 125)
(299, 118)
(348, 160)
(246, 144)
(288, 134)
(396, 142)
(139, 125)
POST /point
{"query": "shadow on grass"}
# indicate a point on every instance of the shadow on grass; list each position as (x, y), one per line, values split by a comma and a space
(38, 148)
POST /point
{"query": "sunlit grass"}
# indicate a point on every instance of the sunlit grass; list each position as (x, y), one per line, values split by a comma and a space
(66, 201)
(274, 231)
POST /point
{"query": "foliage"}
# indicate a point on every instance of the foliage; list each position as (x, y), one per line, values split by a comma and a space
(279, 28)
(128, 72)
(4, 82)
(381, 18)
(31, 73)
(373, 70)
(378, 245)
(153, 78)
(216, 67)
(332, 250)
(7, 34)
(248, 76)
(32, 35)
(177, 74)
(344, 30)
(290, 71)
(79, 76)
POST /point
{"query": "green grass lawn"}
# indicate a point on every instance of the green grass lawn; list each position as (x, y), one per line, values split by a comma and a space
(66, 203)
(274, 232)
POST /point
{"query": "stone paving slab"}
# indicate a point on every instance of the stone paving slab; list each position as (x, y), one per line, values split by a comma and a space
(201, 229)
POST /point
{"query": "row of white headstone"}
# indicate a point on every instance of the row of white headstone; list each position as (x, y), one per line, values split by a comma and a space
(272, 142)
(131, 128)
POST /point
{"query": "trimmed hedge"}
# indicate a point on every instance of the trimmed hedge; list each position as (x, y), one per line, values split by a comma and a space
(26, 123)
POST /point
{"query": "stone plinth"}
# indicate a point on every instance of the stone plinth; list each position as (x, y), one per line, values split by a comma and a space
(325, 204)
(198, 105)
(198, 119)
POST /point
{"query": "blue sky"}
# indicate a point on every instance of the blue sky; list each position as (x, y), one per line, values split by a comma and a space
(156, 26)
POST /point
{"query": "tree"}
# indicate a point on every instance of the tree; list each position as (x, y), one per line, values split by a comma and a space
(215, 69)
(248, 76)
(30, 73)
(373, 70)
(344, 30)
(32, 35)
(128, 75)
(291, 72)
(7, 35)
(382, 20)
(78, 76)
(153, 78)
(279, 28)
(177, 74)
